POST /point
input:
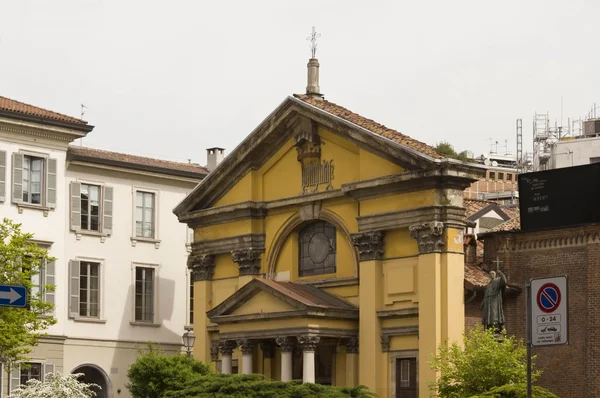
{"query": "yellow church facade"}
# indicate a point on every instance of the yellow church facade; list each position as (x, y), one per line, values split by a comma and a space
(328, 248)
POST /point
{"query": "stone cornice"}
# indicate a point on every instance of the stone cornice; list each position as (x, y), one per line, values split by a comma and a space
(268, 333)
(399, 313)
(429, 236)
(229, 244)
(43, 130)
(449, 215)
(329, 313)
(557, 239)
(370, 245)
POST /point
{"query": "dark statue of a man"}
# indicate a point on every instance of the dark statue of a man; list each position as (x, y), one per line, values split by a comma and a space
(493, 311)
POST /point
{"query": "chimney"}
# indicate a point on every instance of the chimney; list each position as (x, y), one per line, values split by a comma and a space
(214, 156)
(313, 89)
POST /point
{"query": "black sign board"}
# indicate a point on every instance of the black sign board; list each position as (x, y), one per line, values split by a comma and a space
(560, 197)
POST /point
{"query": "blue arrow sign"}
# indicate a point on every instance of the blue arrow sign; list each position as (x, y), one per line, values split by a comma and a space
(13, 296)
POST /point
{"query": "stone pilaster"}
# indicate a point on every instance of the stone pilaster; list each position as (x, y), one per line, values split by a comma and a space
(248, 261)
(214, 351)
(202, 266)
(370, 245)
(429, 236)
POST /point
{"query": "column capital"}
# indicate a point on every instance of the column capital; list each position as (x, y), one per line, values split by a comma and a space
(246, 345)
(214, 351)
(267, 349)
(429, 236)
(308, 342)
(202, 266)
(248, 260)
(226, 347)
(369, 244)
(285, 343)
(351, 344)
(385, 343)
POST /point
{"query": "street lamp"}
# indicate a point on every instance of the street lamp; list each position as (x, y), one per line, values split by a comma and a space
(188, 341)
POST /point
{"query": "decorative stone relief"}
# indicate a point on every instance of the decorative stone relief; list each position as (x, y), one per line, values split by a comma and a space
(248, 261)
(267, 348)
(202, 266)
(285, 343)
(310, 211)
(385, 343)
(370, 245)
(351, 345)
(214, 351)
(226, 347)
(429, 236)
(246, 345)
(308, 342)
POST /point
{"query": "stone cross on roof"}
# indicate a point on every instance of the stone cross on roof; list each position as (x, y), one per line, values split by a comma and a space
(313, 41)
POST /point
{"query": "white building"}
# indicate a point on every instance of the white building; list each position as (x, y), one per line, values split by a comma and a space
(120, 274)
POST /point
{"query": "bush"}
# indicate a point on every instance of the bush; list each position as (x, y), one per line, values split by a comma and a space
(153, 373)
(56, 385)
(516, 391)
(254, 386)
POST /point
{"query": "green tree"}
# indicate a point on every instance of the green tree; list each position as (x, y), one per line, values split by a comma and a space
(56, 385)
(516, 391)
(254, 386)
(20, 260)
(480, 364)
(153, 373)
(446, 149)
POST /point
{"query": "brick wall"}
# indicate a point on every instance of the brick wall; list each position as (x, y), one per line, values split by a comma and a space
(572, 370)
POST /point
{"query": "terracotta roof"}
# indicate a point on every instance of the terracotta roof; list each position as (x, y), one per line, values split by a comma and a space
(514, 224)
(10, 105)
(511, 210)
(472, 206)
(476, 276)
(136, 160)
(308, 295)
(370, 125)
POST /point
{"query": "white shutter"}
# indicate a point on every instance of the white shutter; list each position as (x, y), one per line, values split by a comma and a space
(48, 368)
(49, 279)
(15, 378)
(107, 210)
(17, 177)
(73, 289)
(2, 176)
(75, 206)
(51, 183)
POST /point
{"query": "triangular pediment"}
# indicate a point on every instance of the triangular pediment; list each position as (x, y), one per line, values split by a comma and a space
(263, 296)
(293, 118)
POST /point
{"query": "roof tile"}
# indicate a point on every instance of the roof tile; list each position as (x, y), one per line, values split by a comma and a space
(472, 206)
(370, 125)
(137, 160)
(10, 105)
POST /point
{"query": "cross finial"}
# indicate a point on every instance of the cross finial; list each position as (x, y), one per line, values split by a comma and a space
(497, 262)
(313, 41)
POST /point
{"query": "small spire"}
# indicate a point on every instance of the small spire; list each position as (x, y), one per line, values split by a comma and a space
(312, 88)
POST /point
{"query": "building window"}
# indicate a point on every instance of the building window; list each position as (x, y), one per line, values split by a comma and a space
(90, 207)
(500, 176)
(406, 378)
(492, 175)
(191, 300)
(33, 169)
(509, 177)
(30, 372)
(144, 294)
(89, 289)
(144, 214)
(317, 249)
(41, 281)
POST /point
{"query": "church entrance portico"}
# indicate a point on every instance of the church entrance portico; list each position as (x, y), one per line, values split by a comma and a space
(295, 336)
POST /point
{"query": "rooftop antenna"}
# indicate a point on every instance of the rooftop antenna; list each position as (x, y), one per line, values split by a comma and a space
(313, 41)
(83, 108)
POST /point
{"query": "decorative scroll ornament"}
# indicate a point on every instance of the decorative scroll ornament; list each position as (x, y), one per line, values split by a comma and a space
(385, 343)
(202, 266)
(370, 245)
(351, 345)
(315, 174)
(429, 236)
(308, 342)
(248, 261)
(246, 345)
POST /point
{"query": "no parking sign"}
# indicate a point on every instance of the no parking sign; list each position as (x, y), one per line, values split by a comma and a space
(549, 311)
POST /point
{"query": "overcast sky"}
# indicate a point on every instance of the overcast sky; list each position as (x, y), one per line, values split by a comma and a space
(171, 78)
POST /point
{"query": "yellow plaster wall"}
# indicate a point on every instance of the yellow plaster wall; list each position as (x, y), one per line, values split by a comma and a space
(404, 342)
(403, 201)
(222, 289)
(403, 246)
(282, 176)
(262, 302)
(399, 281)
(229, 229)
(225, 267)
(372, 166)
(400, 322)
